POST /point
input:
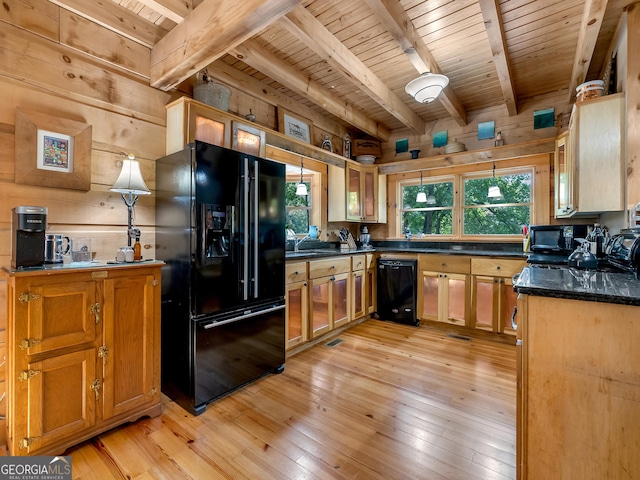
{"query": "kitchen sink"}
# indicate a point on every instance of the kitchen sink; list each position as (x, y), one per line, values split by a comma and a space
(299, 254)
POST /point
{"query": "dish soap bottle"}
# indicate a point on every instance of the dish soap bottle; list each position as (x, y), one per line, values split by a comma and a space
(137, 249)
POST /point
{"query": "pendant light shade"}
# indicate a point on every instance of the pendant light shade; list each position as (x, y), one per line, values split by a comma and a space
(494, 190)
(431, 200)
(421, 197)
(301, 188)
(427, 87)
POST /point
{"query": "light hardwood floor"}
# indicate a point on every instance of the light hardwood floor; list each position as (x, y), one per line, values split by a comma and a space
(389, 402)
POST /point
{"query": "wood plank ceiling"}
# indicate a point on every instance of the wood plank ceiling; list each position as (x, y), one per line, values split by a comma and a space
(351, 59)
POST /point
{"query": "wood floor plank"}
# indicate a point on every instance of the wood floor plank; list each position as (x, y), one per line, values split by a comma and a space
(389, 402)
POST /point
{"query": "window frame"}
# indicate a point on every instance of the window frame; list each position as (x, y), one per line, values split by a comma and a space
(458, 207)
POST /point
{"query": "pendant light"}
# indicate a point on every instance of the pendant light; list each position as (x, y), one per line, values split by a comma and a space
(494, 190)
(301, 188)
(427, 87)
(422, 197)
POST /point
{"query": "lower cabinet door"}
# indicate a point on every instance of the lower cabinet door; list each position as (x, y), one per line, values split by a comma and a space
(62, 392)
(321, 306)
(296, 316)
(340, 299)
(130, 344)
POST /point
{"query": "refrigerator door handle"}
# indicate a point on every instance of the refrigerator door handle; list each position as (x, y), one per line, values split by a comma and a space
(242, 317)
(245, 248)
(256, 223)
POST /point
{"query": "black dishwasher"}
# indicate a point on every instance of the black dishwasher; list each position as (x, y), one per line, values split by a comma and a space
(397, 291)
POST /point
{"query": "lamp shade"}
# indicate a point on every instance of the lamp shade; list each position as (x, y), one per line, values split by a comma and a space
(130, 179)
(301, 189)
(494, 192)
(427, 87)
(421, 197)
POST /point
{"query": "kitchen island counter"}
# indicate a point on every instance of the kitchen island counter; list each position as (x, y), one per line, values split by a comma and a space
(576, 284)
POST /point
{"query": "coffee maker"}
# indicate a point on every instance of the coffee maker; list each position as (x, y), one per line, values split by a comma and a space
(28, 225)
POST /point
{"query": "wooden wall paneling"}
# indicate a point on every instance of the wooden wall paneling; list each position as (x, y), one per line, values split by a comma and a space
(633, 104)
(6, 152)
(111, 128)
(76, 76)
(87, 37)
(38, 16)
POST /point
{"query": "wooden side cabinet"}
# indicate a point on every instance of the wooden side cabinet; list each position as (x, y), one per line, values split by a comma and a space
(83, 353)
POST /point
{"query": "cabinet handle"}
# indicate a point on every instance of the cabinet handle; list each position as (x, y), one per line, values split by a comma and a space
(95, 309)
(95, 386)
(442, 264)
(333, 279)
(498, 267)
(304, 284)
(296, 273)
(26, 442)
(514, 325)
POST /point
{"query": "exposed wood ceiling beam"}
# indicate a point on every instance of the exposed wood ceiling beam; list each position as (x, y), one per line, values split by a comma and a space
(400, 26)
(259, 58)
(174, 10)
(114, 17)
(316, 36)
(493, 24)
(207, 33)
(589, 30)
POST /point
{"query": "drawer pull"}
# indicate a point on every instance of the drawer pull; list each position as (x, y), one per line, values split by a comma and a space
(103, 352)
(296, 273)
(498, 267)
(442, 264)
(28, 343)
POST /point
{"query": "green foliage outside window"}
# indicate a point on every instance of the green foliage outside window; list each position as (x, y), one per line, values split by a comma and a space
(504, 216)
(298, 208)
(480, 214)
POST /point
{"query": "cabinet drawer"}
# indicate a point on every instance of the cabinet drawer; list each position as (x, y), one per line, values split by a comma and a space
(295, 272)
(496, 267)
(329, 266)
(445, 263)
(358, 262)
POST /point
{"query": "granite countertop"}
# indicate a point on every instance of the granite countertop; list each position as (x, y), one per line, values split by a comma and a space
(329, 252)
(575, 284)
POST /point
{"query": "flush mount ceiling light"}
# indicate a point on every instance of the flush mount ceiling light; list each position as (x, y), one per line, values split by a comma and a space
(427, 87)
(494, 190)
(301, 188)
(421, 197)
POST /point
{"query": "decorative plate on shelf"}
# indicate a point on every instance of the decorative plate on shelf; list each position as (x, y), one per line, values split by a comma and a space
(366, 158)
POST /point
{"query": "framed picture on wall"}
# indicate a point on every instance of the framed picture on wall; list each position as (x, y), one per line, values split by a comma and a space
(52, 151)
(295, 126)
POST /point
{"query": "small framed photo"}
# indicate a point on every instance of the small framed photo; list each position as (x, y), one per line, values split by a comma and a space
(295, 126)
(55, 151)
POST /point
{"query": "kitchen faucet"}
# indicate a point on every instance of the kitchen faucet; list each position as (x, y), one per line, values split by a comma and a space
(297, 242)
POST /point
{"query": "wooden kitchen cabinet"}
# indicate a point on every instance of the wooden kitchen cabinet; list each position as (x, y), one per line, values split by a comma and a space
(592, 178)
(443, 288)
(370, 283)
(578, 389)
(357, 193)
(329, 294)
(358, 287)
(492, 295)
(189, 120)
(83, 354)
(297, 305)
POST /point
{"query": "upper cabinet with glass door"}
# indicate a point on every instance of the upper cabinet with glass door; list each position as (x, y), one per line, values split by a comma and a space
(357, 194)
(189, 120)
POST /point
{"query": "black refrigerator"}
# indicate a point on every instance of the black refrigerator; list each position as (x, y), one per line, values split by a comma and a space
(220, 231)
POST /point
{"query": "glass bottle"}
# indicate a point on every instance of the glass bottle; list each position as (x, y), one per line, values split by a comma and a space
(596, 238)
(137, 250)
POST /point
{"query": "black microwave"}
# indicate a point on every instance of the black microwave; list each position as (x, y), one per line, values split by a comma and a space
(559, 239)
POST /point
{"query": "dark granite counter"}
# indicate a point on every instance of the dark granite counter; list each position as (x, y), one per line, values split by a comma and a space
(324, 249)
(572, 283)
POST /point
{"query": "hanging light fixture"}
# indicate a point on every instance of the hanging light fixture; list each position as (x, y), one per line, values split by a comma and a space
(421, 197)
(494, 190)
(431, 200)
(427, 87)
(301, 188)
